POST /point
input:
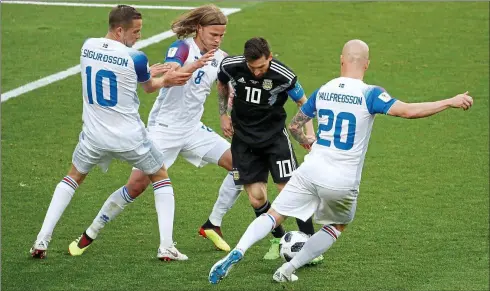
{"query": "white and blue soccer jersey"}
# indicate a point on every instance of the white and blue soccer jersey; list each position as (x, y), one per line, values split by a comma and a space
(345, 109)
(180, 108)
(110, 75)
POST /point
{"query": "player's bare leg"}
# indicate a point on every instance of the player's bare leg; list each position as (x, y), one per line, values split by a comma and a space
(61, 198)
(314, 247)
(113, 206)
(257, 195)
(228, 194)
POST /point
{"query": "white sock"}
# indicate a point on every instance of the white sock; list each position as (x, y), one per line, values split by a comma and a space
(257, 230)
(316, 245)
(112, 207)
(61, 198)
(228, 195)
(165, 205)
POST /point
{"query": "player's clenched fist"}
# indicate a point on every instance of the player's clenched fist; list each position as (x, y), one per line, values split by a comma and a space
(464, 101)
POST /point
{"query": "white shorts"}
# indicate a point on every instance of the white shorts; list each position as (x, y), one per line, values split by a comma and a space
(146, 157)
(199, 148)
(301, 198)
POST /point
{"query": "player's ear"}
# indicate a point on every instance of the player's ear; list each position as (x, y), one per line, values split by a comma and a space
(367, 65)
(341, 60)
(270, 57)
(119, 31)
(199, 29)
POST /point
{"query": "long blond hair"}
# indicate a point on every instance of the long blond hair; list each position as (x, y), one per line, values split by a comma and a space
(186, 24)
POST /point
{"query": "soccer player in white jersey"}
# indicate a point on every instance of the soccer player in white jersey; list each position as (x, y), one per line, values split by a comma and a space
(327, 182)
(112, 128)
(175, 128)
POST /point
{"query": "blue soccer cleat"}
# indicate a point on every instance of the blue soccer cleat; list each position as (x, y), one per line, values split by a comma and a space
(223, 266)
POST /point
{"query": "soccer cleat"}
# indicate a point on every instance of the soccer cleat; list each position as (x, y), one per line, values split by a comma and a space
(214, 234)
(223, 266)
(170, 254)
(78, 246)
(39, 249)
(273, 252)
(316, 261)
(281, 275)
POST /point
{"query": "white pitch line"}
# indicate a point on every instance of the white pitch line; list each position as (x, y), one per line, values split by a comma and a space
(74, 4)
(76, 69)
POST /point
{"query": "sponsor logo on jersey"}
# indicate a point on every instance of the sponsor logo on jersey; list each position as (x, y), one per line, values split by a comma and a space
(254, 82)
(384, 96)
(267, 84)
(171, 52)
(241, 80)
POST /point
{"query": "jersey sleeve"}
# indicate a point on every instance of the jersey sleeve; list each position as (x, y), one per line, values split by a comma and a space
(297, 92)
(177, 52)
(378, 100)
(141, 66)
(224, 71)
(309, 108)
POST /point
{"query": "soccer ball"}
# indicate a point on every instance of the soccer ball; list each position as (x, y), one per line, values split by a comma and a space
(291, 243)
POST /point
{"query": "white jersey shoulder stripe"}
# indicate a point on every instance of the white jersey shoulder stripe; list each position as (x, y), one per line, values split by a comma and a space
(232, 60)
(286, 70)
(235, 57)
(281, 72)
(230, 63)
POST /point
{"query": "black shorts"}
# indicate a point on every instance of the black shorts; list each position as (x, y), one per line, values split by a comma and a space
(252, 164)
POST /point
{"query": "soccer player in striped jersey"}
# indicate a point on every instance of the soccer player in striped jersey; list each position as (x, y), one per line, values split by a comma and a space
(260, 143)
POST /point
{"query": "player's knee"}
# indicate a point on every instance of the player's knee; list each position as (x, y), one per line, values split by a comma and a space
(225, 160)
(135, 189)
(137, 184)
(76, 175)
(256, 203)
(257, 194)
(340, 227)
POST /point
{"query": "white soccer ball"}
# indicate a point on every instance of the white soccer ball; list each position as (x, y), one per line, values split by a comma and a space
(291, 243)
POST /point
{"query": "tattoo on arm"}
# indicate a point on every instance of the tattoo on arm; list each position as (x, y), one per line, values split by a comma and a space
(223, 93)
(296, 127)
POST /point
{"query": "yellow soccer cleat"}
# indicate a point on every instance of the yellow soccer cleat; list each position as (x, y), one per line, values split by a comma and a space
(316, 261)
(215, 235)
(78, 246)
(273, 252)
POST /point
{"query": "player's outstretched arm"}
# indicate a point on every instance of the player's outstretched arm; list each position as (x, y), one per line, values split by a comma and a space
(194, 66)
(425, 109)
(169, 79)
(296, 129)
(199, 63)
